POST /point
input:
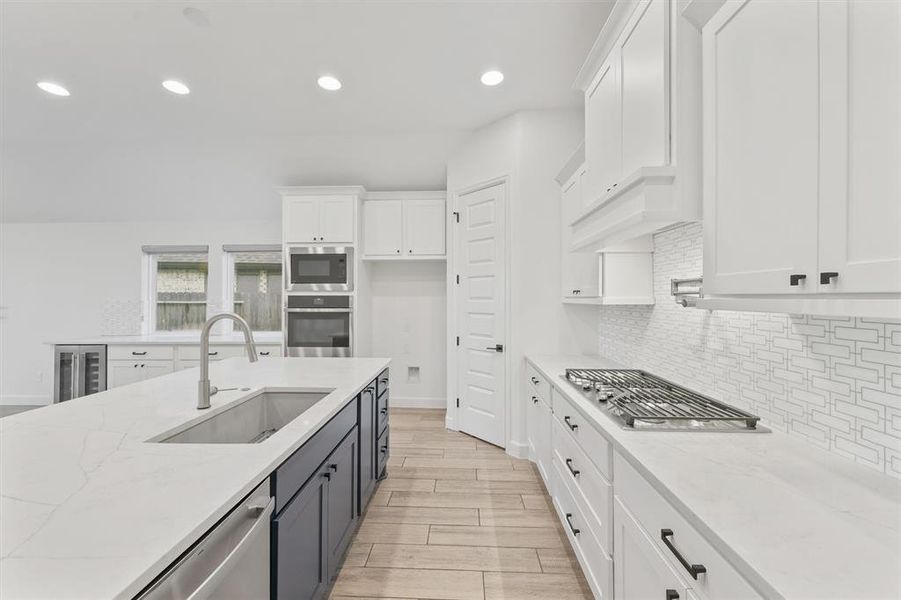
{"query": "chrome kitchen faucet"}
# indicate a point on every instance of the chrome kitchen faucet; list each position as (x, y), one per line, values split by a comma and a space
(205, 390)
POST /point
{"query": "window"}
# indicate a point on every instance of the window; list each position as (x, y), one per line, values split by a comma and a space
(177, 284)
(254, 285)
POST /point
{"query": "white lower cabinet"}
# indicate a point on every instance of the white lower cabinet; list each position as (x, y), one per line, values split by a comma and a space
(124, 372)
(631, 543)
(640, 570)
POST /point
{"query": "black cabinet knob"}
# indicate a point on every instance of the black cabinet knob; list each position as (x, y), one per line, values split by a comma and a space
(796, 278)
(534, 399)
(827, 277)
(672, 595)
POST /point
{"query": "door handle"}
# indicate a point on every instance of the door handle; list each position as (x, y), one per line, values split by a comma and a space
(496, 348)
(572, 426)
(569, 465)
(797, 278)
(672, 595)
(569, 521)
(693, 570)
(827, 277)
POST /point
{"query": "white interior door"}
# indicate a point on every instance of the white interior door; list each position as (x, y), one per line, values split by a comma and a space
(481, 314)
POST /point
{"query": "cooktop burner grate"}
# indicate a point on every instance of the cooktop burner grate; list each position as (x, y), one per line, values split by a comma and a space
(645, 397)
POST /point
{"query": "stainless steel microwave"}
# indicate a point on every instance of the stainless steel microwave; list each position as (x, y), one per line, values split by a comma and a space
(319, 325)
(319, 269)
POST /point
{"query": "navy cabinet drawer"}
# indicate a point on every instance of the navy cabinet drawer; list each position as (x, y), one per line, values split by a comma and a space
(295, 471)
(381, 383)
(383, 452)
(382, 414)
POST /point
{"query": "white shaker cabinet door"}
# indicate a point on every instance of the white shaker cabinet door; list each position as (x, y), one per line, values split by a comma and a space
(640, 572)
(123, 372)
(603, 132)
(860, 210)
(382, 228)
(644, 67)
(424, 227)
(761, 145)
(301, 220)
(336, 220)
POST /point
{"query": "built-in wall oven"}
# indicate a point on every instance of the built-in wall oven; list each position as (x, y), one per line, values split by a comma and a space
(319, 269)
(319, 325)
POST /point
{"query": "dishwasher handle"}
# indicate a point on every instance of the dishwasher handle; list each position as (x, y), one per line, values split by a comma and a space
(262, 510)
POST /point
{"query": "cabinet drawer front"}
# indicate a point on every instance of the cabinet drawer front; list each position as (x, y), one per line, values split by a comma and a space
(148, 352)
(381, 382)
(382, 414)
(538, 384)
(295, 471)
(655, 515)
(580, 429)
(299, 540)
(217, 352)
(383, 450)
(587, 485)
(596, 563)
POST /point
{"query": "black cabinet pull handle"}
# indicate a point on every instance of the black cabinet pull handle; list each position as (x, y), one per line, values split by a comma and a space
(139, 353)
(136, 365)
(534, 399)
(796, 278)
(827, 277)
(576, 292)
(572, 426)
(693, 570)
(142, 365)
(383, 381)
(327, 475)
(569, 465)
(384, 449)
(569, 521)
(333, 467)
(672, 595)
(264, 353)
(216, 353)
(384, 411)
(534, 380)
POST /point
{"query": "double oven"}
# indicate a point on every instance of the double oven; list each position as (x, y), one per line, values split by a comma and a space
(319, 301)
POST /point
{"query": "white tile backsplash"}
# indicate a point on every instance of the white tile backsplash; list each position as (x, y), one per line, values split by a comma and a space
(836, 381)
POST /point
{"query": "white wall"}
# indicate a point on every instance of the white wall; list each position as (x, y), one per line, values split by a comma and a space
(529, 147)
(58, 279)
(408, 312)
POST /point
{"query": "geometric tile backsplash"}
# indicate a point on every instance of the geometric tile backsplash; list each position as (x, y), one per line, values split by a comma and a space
(835, 381)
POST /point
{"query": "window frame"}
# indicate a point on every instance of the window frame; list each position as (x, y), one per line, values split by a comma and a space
(228, 281)
(149, 266)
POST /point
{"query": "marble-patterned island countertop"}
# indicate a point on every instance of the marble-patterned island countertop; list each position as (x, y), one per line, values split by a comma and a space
(90, 509)
(794, 520)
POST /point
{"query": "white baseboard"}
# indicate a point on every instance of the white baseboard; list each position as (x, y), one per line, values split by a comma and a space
(517, 449)
(413, 402)
(17, 400)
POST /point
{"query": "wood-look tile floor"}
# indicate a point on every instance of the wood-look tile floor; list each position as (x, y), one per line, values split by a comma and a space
(457, 519)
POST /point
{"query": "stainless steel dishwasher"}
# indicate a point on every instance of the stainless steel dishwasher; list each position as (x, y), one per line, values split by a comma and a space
(230, 562)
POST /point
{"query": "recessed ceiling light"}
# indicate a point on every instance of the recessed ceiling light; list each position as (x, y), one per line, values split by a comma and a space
(53, 88)
(492, 77)
(176, 87)
(327, 82)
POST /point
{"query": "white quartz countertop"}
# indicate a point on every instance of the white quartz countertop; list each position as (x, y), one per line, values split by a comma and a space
(171, 339)
(795, 520)
(89, 509)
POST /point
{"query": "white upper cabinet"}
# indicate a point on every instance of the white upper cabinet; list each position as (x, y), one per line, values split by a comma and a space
(424, 227)
(383, 228)
(760, 148)
(309, 219)
(404, 225)
(860, 198)
(642, 125)
(643, 58)
(603, 130)
(801, 156)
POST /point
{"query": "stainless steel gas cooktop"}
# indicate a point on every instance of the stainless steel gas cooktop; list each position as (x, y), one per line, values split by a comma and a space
(642, 401)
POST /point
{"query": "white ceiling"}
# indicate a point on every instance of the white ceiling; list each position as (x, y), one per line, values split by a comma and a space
(120, 147)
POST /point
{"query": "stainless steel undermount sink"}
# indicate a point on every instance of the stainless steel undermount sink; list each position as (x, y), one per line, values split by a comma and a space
(249, 422)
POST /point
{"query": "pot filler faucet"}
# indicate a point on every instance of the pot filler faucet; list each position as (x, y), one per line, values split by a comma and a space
(204, 389)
